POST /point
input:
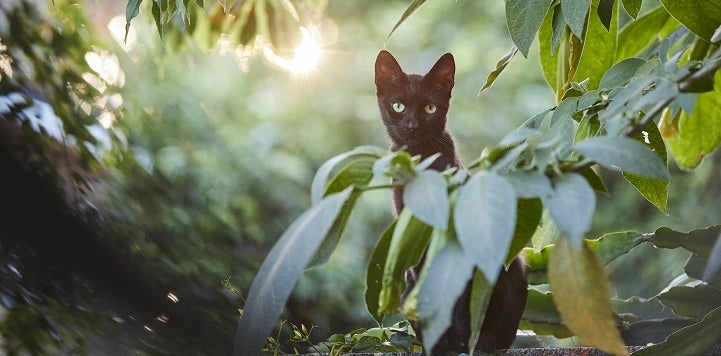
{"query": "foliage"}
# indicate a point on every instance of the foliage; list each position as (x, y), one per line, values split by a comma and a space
(609, 105)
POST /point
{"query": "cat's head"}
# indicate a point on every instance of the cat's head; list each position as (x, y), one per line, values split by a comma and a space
(413, 106)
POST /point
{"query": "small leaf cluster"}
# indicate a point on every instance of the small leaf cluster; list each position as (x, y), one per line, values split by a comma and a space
(397, 338)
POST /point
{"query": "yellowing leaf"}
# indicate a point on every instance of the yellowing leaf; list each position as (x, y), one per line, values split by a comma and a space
(582, 296)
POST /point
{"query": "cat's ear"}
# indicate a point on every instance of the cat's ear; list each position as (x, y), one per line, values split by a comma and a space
(387, 69)
(444, 70)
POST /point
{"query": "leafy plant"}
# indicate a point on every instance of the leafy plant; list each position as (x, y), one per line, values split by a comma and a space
(624, 92)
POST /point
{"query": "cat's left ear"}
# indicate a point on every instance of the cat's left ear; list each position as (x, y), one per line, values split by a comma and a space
(444, 70)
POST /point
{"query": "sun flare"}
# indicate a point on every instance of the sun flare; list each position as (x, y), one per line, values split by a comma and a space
(306, 56)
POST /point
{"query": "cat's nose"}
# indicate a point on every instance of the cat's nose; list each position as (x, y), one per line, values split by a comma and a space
(412, 125)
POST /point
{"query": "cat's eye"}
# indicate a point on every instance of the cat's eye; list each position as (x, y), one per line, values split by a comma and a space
(398, 107)
(429, 109)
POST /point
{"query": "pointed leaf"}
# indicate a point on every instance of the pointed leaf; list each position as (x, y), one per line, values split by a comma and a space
(691, 340)
(131, 10)
(655, 190)
(410, 304)
(414, 5)
(572, 206)
(409, 240)
(350, 168)
(625, 154)
(524, 18)
(620, 73)
(500, 66)
(484, 218)
(575, 13)
(480, 297)
(581, 292)
(374, 272)
(632, 7)
(446, 280)
(281, 270)
(605, 12)
(527, 220)
(426, 196)
(550, 36)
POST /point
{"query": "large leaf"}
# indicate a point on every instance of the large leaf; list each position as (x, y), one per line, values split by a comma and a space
(691, 340)
(644, 332)
(426, 196)
(529, 184)
(692, 302)
(374, 272)
(281, 270)
(699, 241)
(446, 280)
(575, 12)
(524, 18)
(527, 219)
(632, 7)
(484, 218)
(438, 240)
(655, 190)
(552, 28)
(700, 133)
(572, 206)
(701, 17)
(599, 48)
(409, 240)
(581, 292)
(625, 154)
(480, 297)
(620, 73)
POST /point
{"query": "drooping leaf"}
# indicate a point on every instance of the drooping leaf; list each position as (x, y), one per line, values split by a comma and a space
(281, 270)
(446, 280)
(572, 206)
(412, 7)
(409, 240)
(527, 219)
(426, 196)
(620, 73)
(632, 7)
(692, 302)
(480, 296)
(599, 48)
(702, 17)
(500, 66)
(374, 272)
(575, 12)
(655, 190)
(700, 133)
(581, 292)
(484, 219)
(524, 18)
(699, 241)
(350, 168)
(131, 11)
(625, 154)
(691, 340)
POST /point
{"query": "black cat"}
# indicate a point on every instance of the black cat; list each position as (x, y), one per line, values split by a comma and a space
(414, 111)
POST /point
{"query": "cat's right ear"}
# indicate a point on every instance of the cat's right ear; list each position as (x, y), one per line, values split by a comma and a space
(388, 71)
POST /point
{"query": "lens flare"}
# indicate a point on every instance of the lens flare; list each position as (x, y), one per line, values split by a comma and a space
(306, 56)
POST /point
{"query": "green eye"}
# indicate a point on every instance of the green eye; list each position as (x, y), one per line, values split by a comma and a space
(430, 109)
(398, 107)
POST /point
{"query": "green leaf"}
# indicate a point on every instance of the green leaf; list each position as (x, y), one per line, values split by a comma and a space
(632, 7)
(426, 196)
(572, 206)
(446, 280)
(414, 5)
(484, 219)
(637, 35)
(700, 133)
(644, 332)
(575, 12)
(547, 232)
(281, 270)
(692, 302)
(500, 66)
(409, 240)
(131, 10)
(699, 241)
(655, 190)
(438, 240)
(350, 168)
(550, 35)
(524, 18)
(620, 73)
(701, 17)
(625, 154)
(599, 48)
(541, 315)
(593, 179)
(528, 185)
(691, 340)
(480, 297)
(605, 12)
(527, 220)
(714, 261)
(695, 268)
(374, 272)
(642, 308)
(581, 292)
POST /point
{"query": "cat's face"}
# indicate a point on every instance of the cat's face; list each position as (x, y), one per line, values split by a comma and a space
(413, 107)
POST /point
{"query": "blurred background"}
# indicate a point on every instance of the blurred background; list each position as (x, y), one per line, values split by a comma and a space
(144, 181)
